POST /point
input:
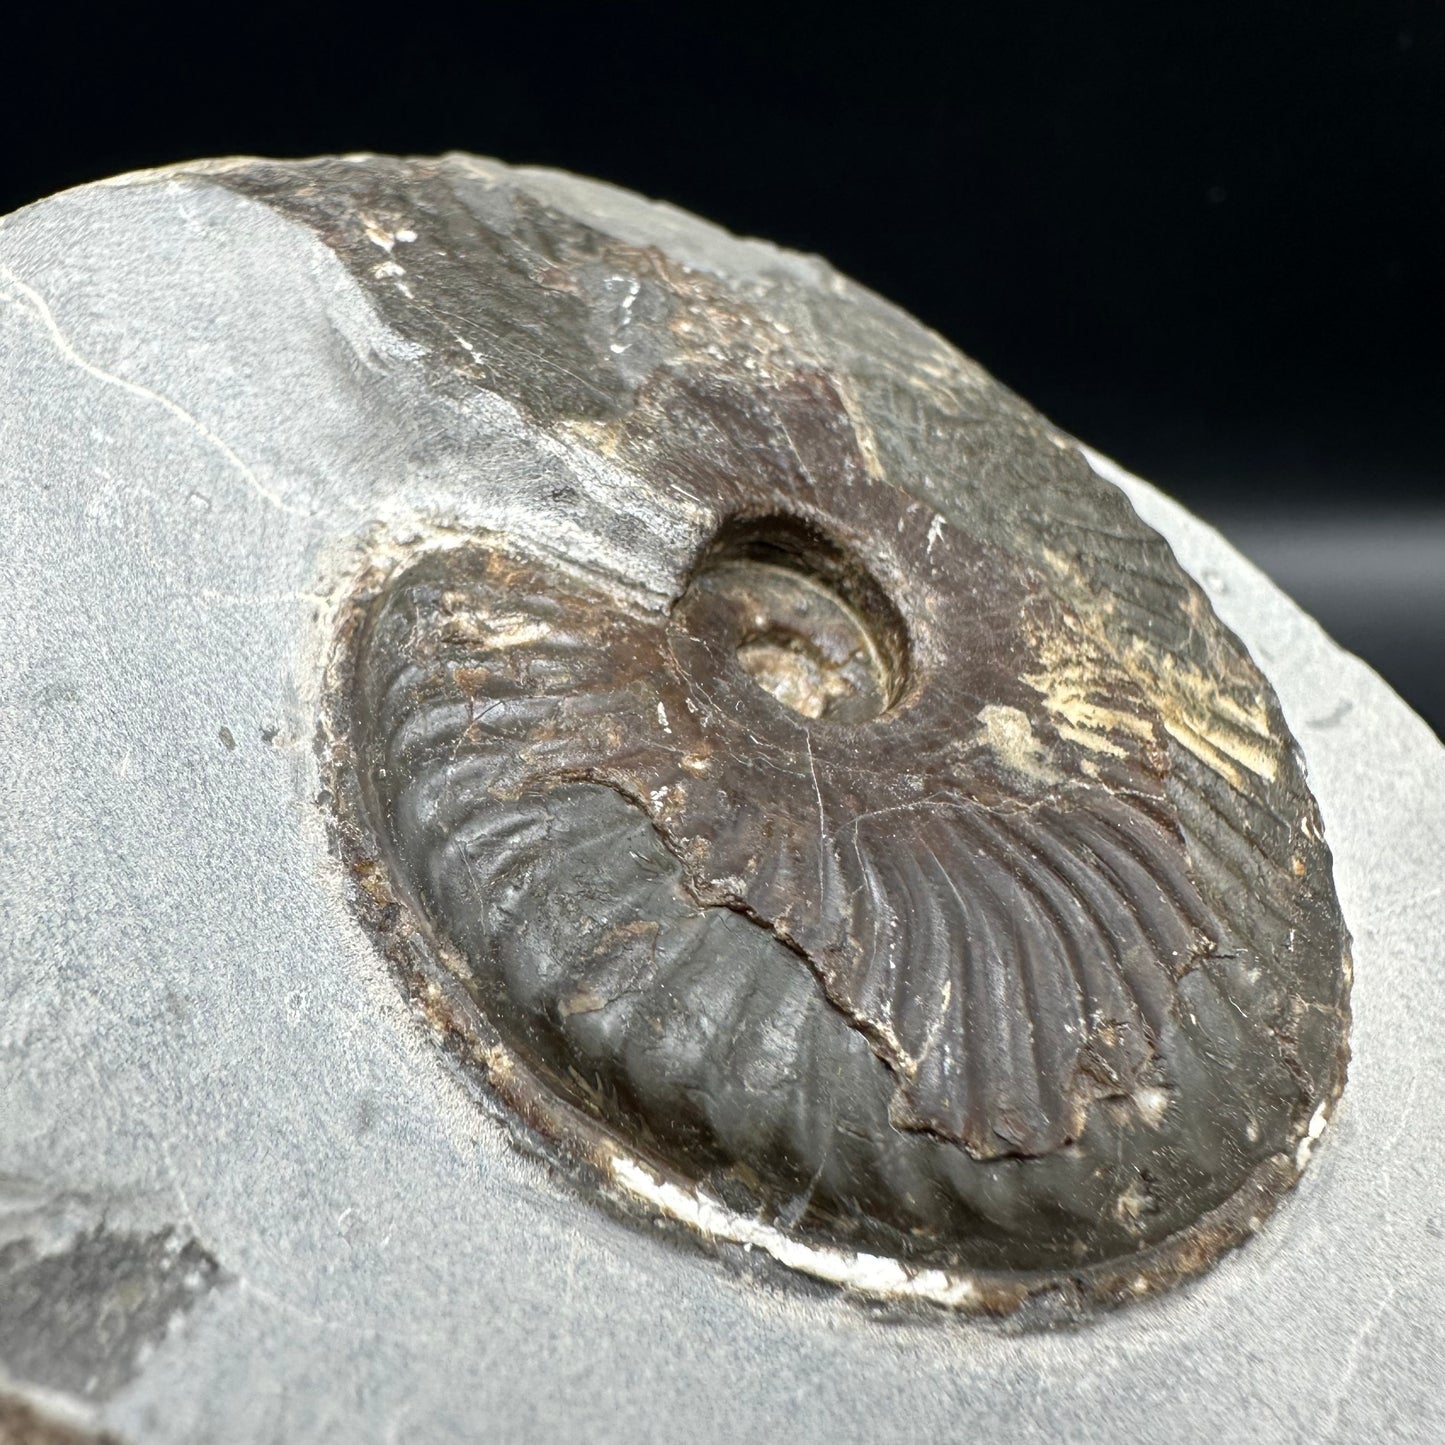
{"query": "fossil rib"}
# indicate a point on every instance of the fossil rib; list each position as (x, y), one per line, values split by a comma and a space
(819, 790)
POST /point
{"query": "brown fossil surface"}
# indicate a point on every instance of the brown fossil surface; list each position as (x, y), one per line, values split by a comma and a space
(819, 805)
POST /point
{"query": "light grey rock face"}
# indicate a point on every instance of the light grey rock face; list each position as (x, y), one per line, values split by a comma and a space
(290, 1216)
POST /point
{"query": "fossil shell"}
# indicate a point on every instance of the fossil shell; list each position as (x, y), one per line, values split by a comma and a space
(823, 810)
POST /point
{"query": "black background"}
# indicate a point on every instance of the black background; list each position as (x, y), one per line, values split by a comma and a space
(1207, 239)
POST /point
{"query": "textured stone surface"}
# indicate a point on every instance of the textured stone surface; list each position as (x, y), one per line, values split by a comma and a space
(201, 1036)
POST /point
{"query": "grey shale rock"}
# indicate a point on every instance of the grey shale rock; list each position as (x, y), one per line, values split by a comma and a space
(489, 581)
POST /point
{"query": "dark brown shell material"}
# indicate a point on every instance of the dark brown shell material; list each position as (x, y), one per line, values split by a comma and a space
(829, 814)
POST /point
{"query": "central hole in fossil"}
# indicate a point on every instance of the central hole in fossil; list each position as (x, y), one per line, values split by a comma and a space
(810, 625)
(804, 646)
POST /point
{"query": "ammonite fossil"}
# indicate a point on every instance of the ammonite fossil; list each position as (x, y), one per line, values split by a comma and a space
(822, 809)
